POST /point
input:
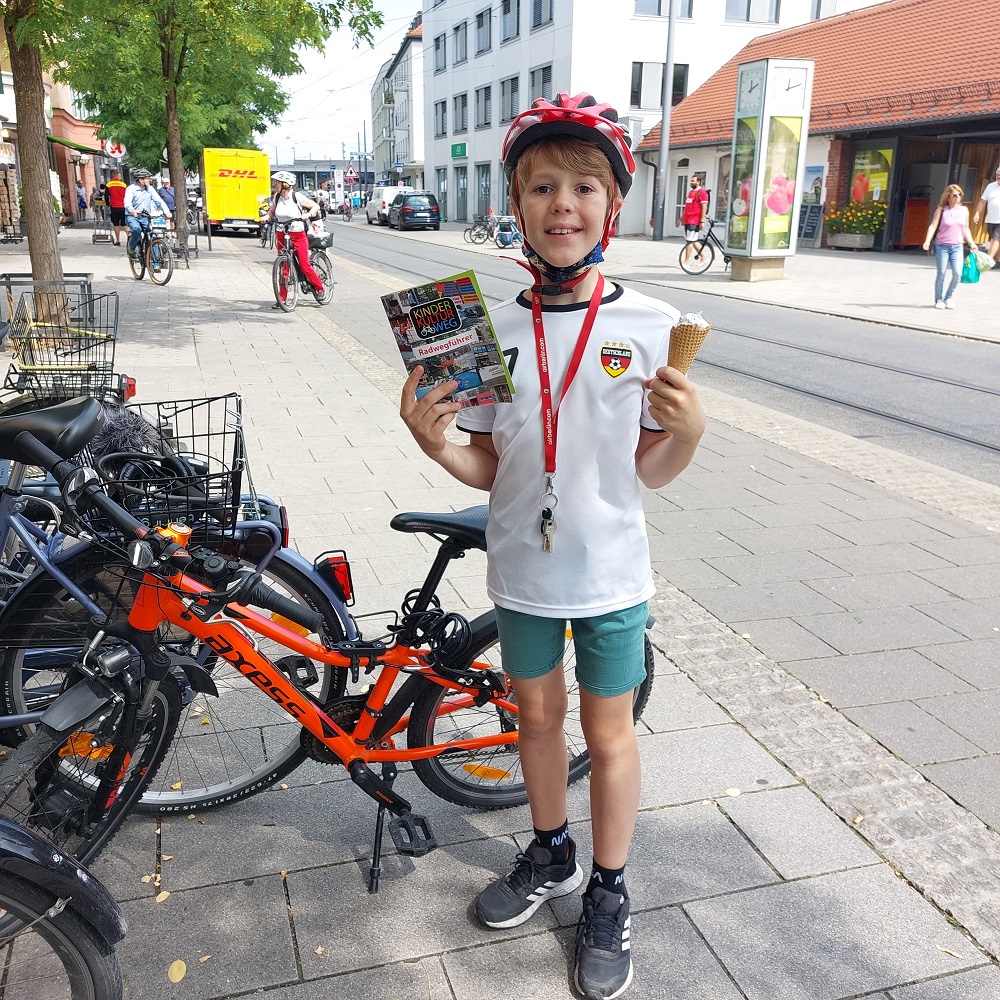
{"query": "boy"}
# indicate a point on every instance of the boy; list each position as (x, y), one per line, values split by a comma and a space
(592, 404)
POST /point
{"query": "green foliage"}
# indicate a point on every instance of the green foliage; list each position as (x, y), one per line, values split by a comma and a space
(223, 59)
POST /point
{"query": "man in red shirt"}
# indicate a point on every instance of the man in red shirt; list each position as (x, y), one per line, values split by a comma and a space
(694, 214)
(116, 203)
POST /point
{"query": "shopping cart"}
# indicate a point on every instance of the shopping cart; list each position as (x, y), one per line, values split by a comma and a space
(63, 343)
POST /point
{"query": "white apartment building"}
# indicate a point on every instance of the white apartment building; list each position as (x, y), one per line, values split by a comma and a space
(397, 101)
(487, 60)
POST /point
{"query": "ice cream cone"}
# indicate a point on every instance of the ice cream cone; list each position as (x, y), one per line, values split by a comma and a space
(685, 342)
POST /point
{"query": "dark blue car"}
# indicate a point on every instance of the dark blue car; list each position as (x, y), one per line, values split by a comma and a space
(414, 210)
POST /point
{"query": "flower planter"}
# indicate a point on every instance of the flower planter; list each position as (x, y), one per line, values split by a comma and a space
(850, 241)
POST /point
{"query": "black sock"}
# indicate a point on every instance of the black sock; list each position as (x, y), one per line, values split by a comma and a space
(556, 841)
(612, 879)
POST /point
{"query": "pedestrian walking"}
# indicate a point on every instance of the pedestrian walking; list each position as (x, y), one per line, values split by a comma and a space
(595, 354)
(81, 200)
(166, 192)
(693, 214)
(116, 204)
(948, 230)
(990, 201)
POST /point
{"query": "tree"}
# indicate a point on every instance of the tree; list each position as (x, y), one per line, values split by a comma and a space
(25, 23)
(179, 72)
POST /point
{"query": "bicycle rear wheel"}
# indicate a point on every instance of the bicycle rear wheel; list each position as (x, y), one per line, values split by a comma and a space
(75, 787)
(55, 956)
(161, 262)
(226, 748)
(285, 283)
(138, 263)
(324, 268)
(491, 778)
(702, 253)
(479, 234)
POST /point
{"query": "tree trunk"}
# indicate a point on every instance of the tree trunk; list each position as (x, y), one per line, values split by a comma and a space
(175, 160)
(29, 103)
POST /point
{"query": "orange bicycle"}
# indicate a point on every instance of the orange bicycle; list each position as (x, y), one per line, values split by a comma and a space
(437, 678)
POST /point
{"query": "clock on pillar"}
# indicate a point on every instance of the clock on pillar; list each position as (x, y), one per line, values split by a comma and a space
(770, 131)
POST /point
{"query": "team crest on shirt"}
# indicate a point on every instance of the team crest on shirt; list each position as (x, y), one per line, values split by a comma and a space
(616, 358)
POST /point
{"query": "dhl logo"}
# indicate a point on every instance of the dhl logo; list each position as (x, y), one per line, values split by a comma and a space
(225, 172)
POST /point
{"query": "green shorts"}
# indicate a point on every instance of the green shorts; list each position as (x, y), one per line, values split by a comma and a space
(610, 651)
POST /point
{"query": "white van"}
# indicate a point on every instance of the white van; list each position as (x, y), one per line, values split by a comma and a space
(377, 209)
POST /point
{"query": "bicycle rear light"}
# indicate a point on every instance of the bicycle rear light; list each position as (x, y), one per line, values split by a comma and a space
(334, 568)
(128, 388)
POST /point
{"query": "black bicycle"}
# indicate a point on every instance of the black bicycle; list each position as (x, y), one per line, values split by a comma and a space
(696, 257)
(287, 277)
(153, 253)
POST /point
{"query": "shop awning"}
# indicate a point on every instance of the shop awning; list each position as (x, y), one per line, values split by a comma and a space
(79, 147)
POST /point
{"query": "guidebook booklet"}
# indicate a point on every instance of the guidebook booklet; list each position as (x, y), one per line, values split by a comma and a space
(444, 326)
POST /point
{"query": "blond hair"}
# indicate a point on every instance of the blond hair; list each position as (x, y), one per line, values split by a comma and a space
(948, 192)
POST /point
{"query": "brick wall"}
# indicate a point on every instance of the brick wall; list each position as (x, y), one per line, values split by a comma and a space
(838, 171)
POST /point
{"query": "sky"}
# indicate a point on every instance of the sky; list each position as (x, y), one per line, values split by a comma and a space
(330, 106)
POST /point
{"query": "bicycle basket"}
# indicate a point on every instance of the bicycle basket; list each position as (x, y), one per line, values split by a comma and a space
(190, 470)
(323, 242)
(63, 342)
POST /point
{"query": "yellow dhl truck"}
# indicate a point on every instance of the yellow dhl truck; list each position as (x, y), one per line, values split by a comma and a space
(233, 181)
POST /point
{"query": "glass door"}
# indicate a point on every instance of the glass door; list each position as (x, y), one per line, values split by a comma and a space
(461, 194)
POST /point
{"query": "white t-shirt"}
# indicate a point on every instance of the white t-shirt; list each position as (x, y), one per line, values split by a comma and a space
(991, 195)
(288, 209)
(599, 561)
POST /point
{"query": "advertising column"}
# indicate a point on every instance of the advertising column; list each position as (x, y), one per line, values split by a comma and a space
(769, 131)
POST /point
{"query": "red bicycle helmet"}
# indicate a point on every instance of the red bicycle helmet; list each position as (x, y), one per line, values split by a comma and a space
(579, 117)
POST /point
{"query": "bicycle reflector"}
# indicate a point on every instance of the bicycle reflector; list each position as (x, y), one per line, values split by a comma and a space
(334, 568)
(128, 388)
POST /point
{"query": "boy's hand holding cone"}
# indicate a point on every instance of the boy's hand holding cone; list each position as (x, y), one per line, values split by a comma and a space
(686, 338)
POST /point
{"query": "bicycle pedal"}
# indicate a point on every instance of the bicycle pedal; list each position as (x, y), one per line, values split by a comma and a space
(412, 834)
(298, 668)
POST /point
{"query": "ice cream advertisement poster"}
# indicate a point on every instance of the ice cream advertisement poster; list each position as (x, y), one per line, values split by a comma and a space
(780, 164)
(741, 182)
(444, 327)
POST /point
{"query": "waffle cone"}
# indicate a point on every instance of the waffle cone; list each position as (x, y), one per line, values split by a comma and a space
(685, 342)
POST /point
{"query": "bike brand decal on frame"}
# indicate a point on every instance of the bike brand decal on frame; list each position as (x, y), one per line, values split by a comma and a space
(616, 358)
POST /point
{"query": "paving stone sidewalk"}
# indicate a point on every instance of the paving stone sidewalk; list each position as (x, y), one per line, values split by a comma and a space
(827, 637)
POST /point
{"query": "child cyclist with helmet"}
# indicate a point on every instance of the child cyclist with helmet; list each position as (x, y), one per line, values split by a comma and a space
(595, 413)
(288, 206)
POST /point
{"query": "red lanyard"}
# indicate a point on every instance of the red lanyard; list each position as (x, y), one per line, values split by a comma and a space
(550, 416)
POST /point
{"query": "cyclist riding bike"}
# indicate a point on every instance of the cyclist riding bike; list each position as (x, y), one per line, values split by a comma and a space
(141, 202)
(291, 209)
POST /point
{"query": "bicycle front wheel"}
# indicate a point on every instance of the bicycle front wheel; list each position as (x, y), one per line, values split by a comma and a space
(76, 787)
(491, 777)
(479, 234)
(699, 259)
(227, 747)
(324, 268)
(45, 954)
(285, 283)
(161, 262)
(138, 263)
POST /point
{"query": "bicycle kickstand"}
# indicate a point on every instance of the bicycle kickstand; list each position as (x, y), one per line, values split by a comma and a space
(389, 772)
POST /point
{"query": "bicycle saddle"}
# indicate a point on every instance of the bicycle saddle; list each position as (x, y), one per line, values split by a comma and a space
(466, 527)
(65, 427)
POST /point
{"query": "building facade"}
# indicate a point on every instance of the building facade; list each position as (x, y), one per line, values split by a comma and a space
(484, 62)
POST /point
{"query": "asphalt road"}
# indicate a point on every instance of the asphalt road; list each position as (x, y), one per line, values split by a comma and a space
(925, 395)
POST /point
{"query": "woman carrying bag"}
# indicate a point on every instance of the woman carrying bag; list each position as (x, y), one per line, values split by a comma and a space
(949, 229)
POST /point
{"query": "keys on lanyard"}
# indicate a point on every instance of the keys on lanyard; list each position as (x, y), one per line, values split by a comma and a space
(548, 526)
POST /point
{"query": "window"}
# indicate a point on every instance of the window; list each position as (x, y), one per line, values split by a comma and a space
(823, 8)
(460, 51)
(484, 107)
(541, 12)
(484, 36)
(441, 118)
(508, 99)
(440, 62)
(648, 82)
(510, 19)
(661, 8)
(759, 11)
(460, 122)
(541, 83)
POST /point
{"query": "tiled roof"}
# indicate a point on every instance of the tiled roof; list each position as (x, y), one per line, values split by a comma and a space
(899, 62)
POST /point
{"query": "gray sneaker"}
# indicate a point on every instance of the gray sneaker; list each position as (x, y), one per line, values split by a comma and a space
(603, 945)
(535, 878)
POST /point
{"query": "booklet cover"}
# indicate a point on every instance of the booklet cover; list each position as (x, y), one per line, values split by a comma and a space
(445, 327)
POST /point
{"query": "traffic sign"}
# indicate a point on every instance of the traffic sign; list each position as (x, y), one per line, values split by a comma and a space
(350, 174)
